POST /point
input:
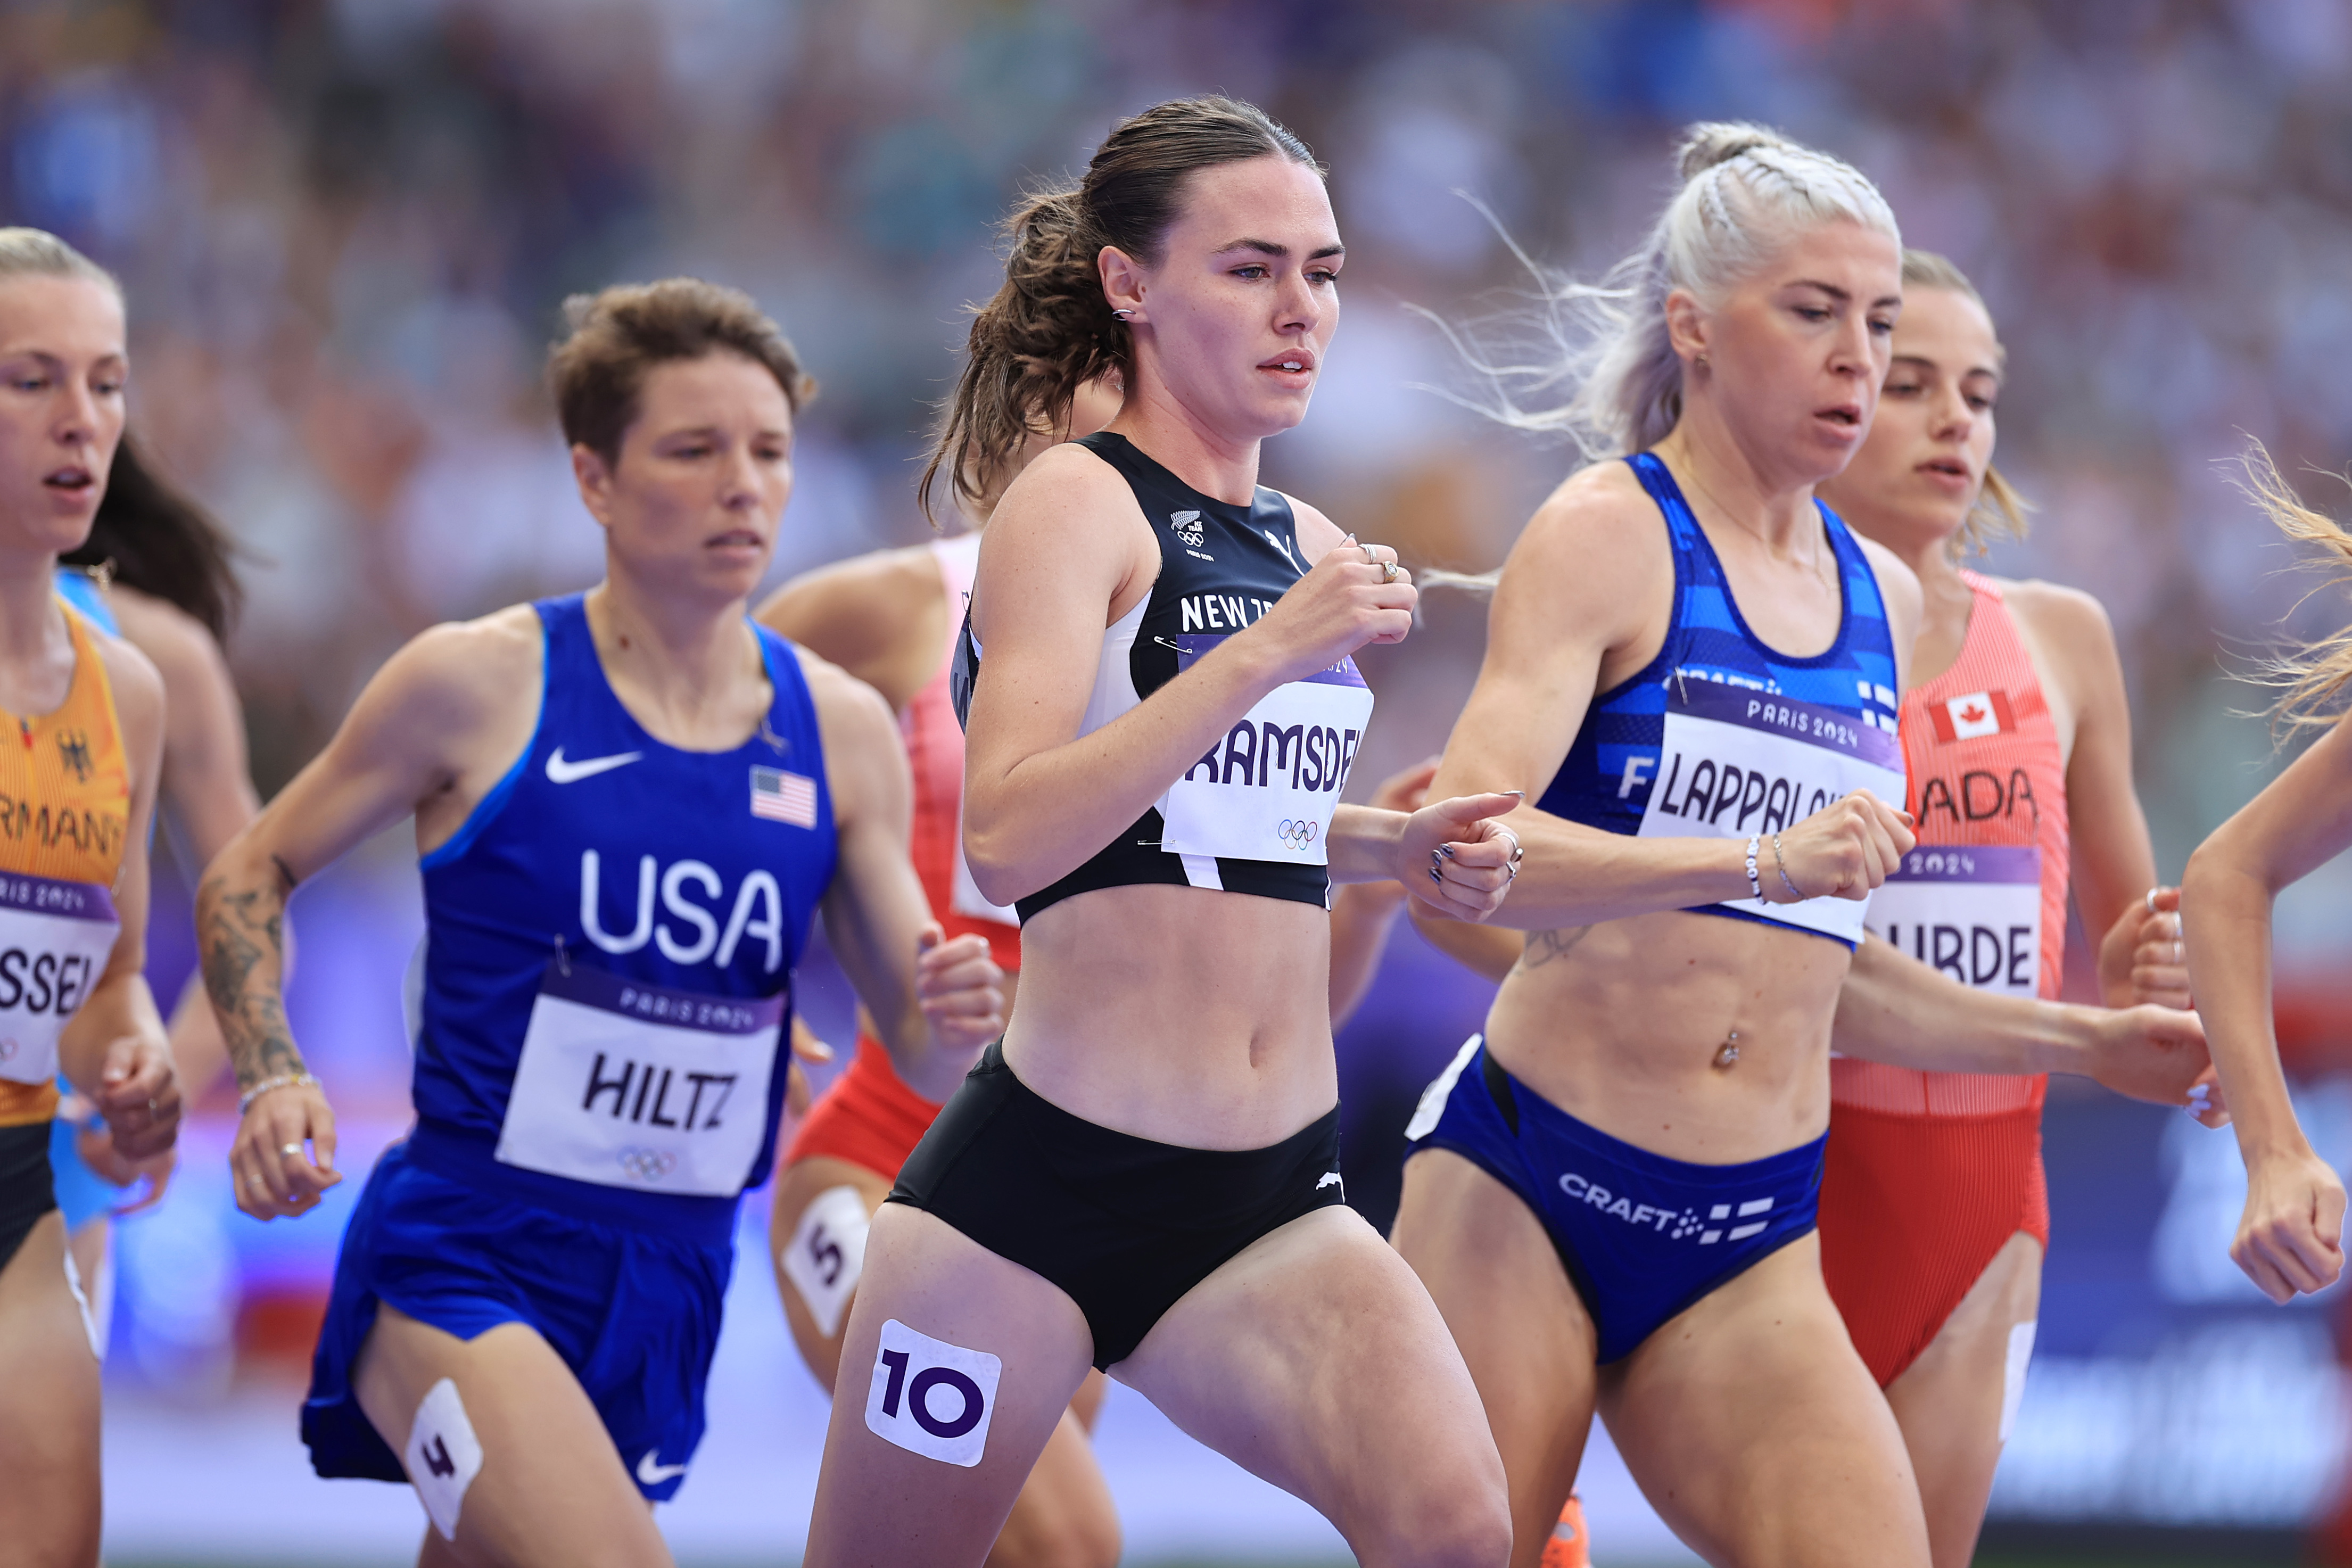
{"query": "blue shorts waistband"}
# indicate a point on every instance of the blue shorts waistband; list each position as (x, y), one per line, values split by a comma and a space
(459, 1156)
(1788, 1165)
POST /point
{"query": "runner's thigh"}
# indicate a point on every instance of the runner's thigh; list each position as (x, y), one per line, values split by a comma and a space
(1063, 1516)
(967, 1361)
(48, 1411)
(1518, 1322)
(817, 1258)
(1315, 1359)
(1758, 1433)
(1950, 1402)
(551, 1489)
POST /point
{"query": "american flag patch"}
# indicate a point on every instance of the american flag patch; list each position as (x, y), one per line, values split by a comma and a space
(782, 795)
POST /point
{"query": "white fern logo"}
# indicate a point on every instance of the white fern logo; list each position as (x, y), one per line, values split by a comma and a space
(1187, 525)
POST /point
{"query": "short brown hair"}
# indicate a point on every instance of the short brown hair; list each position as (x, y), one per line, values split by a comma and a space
(598, 370)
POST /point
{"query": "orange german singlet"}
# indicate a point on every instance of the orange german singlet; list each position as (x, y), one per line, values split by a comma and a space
(65, 812)
(1928, 1174)
(869, 1117)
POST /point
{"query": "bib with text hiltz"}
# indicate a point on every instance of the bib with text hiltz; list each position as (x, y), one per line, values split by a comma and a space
(54, 940)
(1736, 761)
(631, 1085)
(1974, 912)
(1268, 791)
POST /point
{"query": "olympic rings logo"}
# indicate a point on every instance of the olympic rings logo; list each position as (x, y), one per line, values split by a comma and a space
(647, 1164)
(1300, 833)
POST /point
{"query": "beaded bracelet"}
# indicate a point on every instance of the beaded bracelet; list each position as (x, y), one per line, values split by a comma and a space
(1755, 887)
(268, 1085)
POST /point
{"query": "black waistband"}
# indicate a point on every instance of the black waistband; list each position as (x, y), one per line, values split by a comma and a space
(1170, 1185)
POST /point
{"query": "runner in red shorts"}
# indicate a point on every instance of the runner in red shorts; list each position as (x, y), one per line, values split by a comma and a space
(890, 618)
(1934, 1214)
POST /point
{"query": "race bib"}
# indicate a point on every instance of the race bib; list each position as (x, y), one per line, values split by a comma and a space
(54, 940)
(1268, 791)
(631, 1085)
(1974, 913)
(1735, 762)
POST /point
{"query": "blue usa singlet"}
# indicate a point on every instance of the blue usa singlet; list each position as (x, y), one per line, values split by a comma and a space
(1722, 736)
(610, 943)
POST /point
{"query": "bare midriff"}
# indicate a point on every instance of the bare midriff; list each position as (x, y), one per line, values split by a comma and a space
(1624, 1027)
(1186, 1015)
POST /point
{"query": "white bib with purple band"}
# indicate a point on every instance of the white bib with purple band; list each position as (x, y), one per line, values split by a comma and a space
(1735, 762)
(1268, 791)
(54, 940)
(631, 1085)
(1975, 913)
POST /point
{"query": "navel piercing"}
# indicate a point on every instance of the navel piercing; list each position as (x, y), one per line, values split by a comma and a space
(1729, 1052)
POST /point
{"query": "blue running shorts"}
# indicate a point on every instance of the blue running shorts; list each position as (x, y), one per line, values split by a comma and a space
(1643, 1238)
(633, 1313)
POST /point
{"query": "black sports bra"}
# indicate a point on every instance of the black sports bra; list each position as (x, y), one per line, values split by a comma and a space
(1252, 814)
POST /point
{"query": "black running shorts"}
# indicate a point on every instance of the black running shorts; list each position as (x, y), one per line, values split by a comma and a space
(1123, 1224)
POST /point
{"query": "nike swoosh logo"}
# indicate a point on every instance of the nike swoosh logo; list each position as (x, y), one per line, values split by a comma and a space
(560, 771)
(650, 1473)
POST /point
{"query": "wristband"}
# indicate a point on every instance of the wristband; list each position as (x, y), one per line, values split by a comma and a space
(1755, 887)
(270, 1084)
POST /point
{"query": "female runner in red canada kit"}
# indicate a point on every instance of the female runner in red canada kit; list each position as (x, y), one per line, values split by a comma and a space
(1934, 1212)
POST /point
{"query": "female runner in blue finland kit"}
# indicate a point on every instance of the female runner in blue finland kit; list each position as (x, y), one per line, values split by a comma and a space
(629, 804)
(1161, 709)
(1612, 1198)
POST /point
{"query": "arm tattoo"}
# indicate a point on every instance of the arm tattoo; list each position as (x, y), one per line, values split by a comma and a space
(239, 929)
(1543, 946)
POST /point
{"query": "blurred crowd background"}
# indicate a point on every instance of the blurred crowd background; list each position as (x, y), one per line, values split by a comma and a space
(346, 227)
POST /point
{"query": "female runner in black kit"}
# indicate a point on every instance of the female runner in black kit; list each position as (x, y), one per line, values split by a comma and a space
(1144, 1176)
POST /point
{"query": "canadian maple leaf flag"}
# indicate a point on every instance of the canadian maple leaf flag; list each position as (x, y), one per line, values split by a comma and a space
(1977, 713)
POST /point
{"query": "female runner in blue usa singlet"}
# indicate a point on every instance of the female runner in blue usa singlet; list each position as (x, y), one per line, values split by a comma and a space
(629, 804)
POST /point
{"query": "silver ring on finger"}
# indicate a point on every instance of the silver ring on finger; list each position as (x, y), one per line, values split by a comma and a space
(2150, 900)
(291, 1151)
(1371, 556)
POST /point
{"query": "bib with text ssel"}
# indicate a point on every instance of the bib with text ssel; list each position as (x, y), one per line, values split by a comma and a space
(1736, 761)
(54, 940)
(1974, 912)
(1268, 791)
(631, 1085)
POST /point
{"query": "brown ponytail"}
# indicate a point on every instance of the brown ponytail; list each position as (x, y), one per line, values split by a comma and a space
(1049, 329)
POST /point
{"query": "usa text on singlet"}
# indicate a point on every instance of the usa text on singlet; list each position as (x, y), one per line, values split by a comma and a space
(611, 939)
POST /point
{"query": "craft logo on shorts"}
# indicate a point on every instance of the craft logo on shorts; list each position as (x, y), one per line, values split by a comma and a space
(1976, 713)
(1187, 525)
(1686, 1222)
(780, 795)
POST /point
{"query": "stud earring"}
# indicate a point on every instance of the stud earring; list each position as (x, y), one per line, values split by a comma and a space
(1701, 362)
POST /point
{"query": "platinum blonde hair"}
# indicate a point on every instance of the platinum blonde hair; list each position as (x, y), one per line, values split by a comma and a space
(38, 253)
(1746, 190)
